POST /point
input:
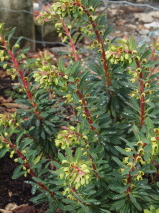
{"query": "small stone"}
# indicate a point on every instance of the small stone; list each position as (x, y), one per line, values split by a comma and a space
(36, 6)
(130, 9)
(61, 49)
(100, 9)
(155, 14)
(87, 41)
(114, 12)
(154, 25)
(144, 32)
(131, 26)
(126, 33)
(117, 32)
(144, 17)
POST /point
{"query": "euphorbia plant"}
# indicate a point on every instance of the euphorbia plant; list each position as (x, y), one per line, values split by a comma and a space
(104, 158)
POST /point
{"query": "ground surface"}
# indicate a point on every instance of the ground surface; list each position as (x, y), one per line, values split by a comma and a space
(16, 190)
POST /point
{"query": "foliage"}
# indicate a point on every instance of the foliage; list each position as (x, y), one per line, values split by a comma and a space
(105, 157)
(152, 210)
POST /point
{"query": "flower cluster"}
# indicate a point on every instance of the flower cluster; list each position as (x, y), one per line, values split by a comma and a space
(88, 30)
(121, 52)
(58, 10)
(44, 57)
(147, 86)
(8, 120)
(69, 137)
(140, 157)
(96, 44)
(155, 143)
(49, 75)
(77, 174)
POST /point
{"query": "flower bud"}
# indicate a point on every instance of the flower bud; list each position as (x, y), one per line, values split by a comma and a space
(140, 143)
(153, 139)
(156, 130)
(127, 149)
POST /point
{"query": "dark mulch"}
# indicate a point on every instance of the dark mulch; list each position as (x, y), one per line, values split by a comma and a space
(15, 191)
(12, 190)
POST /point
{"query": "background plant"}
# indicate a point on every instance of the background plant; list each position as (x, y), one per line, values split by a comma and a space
(152, 209)
(104, 159)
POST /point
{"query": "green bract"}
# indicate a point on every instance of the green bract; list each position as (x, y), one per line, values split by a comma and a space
(88, 129)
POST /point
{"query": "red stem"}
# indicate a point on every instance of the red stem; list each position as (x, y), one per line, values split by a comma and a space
(142, 97)
(152, 55)
(23, 79)
(129, 180)
(87, 113)
(142, 102)
(80, 95)
(26, 164)
(71, 41)
(94, 25)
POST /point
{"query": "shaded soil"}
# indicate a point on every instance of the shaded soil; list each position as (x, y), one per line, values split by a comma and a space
(12, 190)
(15, 191)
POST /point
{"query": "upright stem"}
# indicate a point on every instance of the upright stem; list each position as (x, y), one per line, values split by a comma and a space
(142, 96)
(80, 95)
(86, 110)
(71, 41)
(94, 25)
(129, 180)
(23, 79)
(142, 102)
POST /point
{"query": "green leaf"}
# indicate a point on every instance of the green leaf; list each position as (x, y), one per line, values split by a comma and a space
(142, 48)
(61, 64)
(19, 39)
(146, 211)
(25, 49)
(10, 33)
(149, 123)
(126, 171)
(49, 123)
(147, 53)
(118, 197)
(17, 175)
(78, 154)
(3, 151)
(69, 154)
(85, 208)
(122, 151)
(86, 3)
(121, 164)
(61, 156)
(155, 197)
(53, 207)
(20, 135)
(120, 204)
(37, 159)
(62, 53)
(133, 199)
(57, 165)
(30, 61)
(47, 129)
(152, 208)
(17, 172)
(108, 31)
(39, 198)
(38, 180)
